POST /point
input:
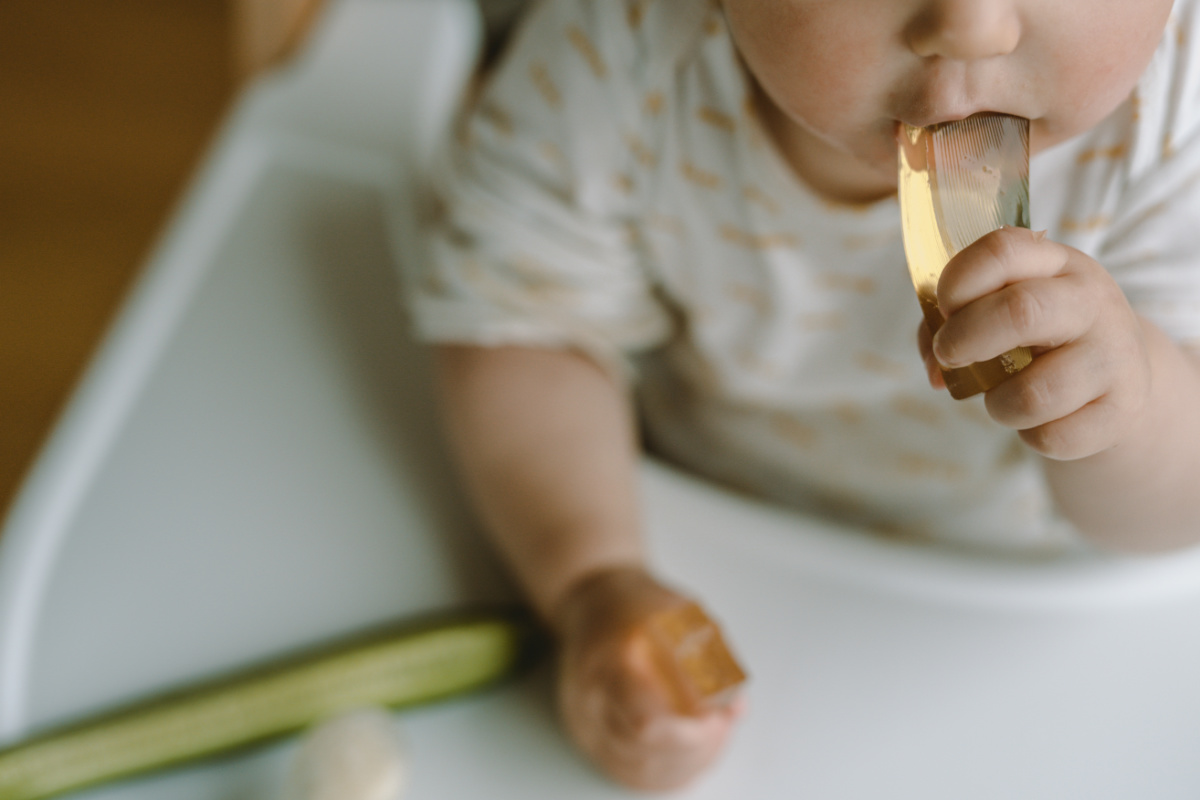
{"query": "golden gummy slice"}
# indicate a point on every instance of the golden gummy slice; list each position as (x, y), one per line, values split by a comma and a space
(959, 181)
(691, 653)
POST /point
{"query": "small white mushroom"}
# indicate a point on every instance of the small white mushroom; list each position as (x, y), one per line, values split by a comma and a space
(354, 756)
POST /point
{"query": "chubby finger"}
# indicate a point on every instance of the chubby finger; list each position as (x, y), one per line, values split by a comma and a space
(1078, 435)
(1039, 312)
(996, 260)
(1054, 386)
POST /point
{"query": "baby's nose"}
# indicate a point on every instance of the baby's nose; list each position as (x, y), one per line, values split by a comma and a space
(964, 30)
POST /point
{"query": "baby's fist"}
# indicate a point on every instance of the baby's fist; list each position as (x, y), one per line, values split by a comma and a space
(618, 703)
(1089, 383)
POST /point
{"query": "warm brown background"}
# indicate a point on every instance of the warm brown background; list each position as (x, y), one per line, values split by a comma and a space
(105, 108)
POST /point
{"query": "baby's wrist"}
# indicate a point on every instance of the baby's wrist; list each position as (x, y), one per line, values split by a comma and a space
(605, 595)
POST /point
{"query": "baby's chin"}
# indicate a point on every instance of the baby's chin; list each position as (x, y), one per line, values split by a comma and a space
(1045, 134)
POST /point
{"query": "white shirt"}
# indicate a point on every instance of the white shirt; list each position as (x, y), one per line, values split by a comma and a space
(614, 193)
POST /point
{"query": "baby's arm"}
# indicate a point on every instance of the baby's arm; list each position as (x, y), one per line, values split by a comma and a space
(1109, 400)
(1142, 493)
(545, 442)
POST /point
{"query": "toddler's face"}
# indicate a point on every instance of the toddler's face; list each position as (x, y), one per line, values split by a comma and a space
(846, 72)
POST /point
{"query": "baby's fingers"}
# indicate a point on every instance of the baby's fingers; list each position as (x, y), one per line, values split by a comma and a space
(637, 695)
(1055, 385)
(628, 727)
(664, 750)
(1039, 312)
(1000, 258)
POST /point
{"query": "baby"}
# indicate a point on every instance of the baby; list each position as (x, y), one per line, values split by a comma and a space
(676, 219)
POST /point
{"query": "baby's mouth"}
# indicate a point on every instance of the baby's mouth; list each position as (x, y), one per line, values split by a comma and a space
(938, 119)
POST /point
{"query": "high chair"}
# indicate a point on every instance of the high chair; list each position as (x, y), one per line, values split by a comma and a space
(253, 464)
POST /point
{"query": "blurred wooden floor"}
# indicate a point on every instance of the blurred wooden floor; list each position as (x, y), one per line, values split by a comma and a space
(105, 107)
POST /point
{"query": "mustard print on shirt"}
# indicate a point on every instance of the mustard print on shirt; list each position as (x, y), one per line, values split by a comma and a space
(1135, 105)
(819, 321)
(879, 365)
(836, 281)
(757, 196)
(716, 118)
(1153, 211)
(759, 241)
(849, 413)
(545, 85)
(915, 408)
(641, 151)
(1168, 146)
(583, 45)
(793, 430)
(635, 13)
(712, 25)
(749, 107)
(922, 466)
(1146, 257)
(754, 123)
(1093, 223)
(1115, 152)
(653, 103)
(497, 116)
(537, 284)
(700, 177)
(624, 182)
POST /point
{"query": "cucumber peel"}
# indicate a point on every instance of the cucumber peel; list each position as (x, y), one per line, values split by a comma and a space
(417, 663)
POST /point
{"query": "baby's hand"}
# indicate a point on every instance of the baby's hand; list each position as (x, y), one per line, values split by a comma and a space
(614, 699)
(1090, 377)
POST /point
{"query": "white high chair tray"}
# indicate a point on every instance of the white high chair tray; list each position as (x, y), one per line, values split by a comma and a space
(253, 465)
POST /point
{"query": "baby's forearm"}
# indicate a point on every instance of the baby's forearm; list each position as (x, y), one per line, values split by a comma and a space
(545, 443)
(1144, 493)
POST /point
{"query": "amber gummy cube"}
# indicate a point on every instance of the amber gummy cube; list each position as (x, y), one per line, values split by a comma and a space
(693, 658)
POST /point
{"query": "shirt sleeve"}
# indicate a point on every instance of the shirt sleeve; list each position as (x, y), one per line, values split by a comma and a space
(1153, 247)
(533, 246)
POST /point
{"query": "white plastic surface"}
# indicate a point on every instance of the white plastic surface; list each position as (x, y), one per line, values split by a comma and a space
(253, 465)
